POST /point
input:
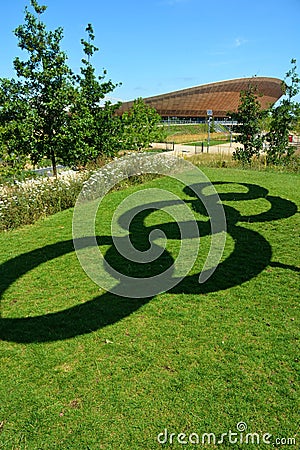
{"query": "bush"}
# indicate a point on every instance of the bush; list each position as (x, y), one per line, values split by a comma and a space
(25, 202)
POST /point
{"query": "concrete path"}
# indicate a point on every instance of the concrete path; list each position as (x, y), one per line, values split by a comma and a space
(190, 150)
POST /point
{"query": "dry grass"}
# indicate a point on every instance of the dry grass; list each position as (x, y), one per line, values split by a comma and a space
(260, 164)
(184, 138)
(213, 160)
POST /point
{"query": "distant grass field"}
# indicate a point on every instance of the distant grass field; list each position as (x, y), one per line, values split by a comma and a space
(85, 369)
(185, 128)
(197, 138)
(214, 141)
(193, 134)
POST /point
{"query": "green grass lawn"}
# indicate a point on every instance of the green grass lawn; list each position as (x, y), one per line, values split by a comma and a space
(84, 369)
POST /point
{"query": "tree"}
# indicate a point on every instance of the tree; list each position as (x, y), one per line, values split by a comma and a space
(285, 117)
(248, 119)
(141, 126)
(47, 85)
(50, 112)
(91, 130)
(106, 128)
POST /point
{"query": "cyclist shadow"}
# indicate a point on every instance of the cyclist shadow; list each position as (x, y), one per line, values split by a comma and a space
(252, 253)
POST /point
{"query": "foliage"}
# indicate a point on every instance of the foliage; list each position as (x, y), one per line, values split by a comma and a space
(248, 128)
(11, 171)
(49, 112)
(141, 126)
(16, 124)
(285, 118)
(92, 129)
(12, 163)
(297, 127)
(47, 85)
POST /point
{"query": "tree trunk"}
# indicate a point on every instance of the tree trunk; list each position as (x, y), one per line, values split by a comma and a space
(53, 159)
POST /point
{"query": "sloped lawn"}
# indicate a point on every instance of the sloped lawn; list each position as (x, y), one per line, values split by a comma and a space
(84, 369)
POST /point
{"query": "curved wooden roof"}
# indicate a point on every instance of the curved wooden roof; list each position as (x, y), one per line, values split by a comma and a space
(220, 97)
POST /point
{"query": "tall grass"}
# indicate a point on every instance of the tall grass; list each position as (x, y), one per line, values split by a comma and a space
(289, 165)
(23, 203)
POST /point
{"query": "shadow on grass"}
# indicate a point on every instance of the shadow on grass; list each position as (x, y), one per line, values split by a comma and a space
(251, 254)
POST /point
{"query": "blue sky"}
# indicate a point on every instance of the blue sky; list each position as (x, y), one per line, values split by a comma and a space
(157, 46)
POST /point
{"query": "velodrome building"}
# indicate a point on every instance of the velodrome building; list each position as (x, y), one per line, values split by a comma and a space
(220, 98)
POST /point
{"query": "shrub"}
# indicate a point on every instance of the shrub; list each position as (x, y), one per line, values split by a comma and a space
(25, 202)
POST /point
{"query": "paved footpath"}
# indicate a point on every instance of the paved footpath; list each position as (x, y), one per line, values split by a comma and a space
(190, 150)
